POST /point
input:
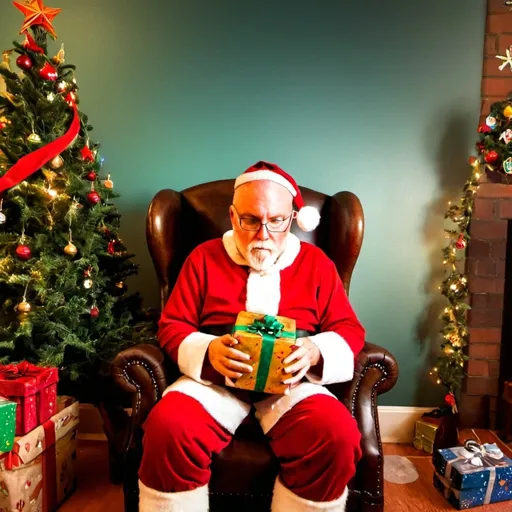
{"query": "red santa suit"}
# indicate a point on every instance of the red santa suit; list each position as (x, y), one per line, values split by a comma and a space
(313, 435)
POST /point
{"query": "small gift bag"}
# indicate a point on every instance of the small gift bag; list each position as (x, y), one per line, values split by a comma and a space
(473, 475)
(34, 389)
(268, 340)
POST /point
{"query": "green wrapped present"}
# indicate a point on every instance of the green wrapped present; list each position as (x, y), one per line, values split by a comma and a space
(268, 340)
(7, 424)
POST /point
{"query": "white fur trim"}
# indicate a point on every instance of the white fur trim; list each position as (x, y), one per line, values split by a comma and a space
(270, 410)
(284, 500)
(195, 500)
(338, 359)
(264, 287)
(247, 177)
(191, 354)
(308, 218)
(223, 406)
(263, 292)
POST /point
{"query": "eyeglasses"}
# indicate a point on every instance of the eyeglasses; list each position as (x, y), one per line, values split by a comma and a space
(275, 225)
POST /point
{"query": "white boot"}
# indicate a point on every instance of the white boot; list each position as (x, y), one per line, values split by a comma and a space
(195, 500)
(285, 500)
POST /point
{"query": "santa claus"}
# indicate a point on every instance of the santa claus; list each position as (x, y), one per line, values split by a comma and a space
(258, 266)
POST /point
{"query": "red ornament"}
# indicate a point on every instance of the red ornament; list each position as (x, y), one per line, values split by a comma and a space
(95, 312)
(461, 242)
(3, 125)
(23, 252)
(93, 197)
(70, 98)
(491, 156)
(91, 176)
(450, 399)
(24, 62)
(111, 248)
(483, 128)
(48, 72)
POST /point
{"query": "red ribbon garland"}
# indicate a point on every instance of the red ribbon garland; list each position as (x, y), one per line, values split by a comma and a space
(32, 162)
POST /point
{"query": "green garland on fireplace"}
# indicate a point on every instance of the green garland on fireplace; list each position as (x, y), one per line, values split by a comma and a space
(494, 149)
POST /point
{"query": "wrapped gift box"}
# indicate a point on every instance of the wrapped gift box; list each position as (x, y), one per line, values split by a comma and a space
(425, 434)
(39, 473)
(473, 475)
(268, 340)
(34, 389)
(8, 424)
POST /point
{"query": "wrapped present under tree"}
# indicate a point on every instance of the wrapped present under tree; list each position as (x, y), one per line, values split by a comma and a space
(34, 389)
(268, 340)
(8, 424)
(40, 472)
(473, 475)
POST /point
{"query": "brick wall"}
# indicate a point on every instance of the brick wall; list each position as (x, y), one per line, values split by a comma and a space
(485, 264)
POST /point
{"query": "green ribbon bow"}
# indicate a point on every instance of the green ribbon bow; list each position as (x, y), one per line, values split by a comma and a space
(269, 328)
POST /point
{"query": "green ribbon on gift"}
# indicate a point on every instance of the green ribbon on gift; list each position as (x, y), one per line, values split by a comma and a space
(269, 328)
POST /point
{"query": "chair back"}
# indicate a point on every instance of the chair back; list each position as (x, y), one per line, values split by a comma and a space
(179, 221)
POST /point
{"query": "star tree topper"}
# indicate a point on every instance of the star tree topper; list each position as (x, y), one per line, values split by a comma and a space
(36, 13)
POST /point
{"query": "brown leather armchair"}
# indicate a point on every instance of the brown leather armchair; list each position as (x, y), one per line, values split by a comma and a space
(243, 474)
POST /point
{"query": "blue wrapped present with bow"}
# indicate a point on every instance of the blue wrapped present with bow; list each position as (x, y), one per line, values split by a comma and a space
(473, 475)
(268, 340)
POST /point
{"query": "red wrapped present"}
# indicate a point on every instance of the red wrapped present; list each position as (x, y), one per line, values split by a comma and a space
(34, 389)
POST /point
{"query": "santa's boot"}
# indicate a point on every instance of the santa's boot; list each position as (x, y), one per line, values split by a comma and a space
(284, 500)
(195, 500)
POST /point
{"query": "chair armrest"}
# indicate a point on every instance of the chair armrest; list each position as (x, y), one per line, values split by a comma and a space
(140, 372)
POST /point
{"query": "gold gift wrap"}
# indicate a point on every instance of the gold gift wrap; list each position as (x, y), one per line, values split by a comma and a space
(425, 435)
(268, 340)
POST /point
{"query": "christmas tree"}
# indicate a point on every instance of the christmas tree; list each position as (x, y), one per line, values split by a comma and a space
(63, 264)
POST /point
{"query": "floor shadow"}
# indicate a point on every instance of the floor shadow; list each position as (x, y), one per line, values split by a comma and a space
(452, 171)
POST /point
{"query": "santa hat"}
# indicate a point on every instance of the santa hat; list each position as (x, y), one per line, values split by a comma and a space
(307, 216)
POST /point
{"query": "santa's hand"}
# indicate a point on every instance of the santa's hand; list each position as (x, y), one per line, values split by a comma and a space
(306, 355)
(227, 360)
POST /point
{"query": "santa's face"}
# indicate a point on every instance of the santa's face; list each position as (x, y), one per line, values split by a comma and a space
(254, 204)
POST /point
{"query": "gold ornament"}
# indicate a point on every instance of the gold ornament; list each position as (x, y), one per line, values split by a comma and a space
(6, 60)
(56, 162)
(71, 250)
(49, 175)
(34, 138)
(88, 283)
(108, 183)
(507, 112)
(59, 58)
(24, 307)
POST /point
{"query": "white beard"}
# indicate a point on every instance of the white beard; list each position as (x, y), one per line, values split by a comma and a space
(261, 259)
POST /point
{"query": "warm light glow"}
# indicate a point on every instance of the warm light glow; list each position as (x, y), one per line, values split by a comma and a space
(52, 193)
(435, 369)
(439, 381)
(477, 175)
(453, 286)
(62, 86)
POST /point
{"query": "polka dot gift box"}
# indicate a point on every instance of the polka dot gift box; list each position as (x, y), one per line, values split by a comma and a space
(268, 340)
(34, 389)
(7, 424)
(473, 475)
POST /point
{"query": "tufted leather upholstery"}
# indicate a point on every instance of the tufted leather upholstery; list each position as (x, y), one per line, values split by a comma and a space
(244, 473)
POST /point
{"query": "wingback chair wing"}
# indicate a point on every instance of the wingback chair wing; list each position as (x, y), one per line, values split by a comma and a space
(243, 474)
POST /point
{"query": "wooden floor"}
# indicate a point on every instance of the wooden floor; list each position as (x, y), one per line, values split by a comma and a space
(96, 494)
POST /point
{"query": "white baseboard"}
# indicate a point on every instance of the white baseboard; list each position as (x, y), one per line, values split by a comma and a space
(397, 423)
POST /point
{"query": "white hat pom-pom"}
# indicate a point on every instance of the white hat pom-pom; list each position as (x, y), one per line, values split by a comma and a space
(308, 218)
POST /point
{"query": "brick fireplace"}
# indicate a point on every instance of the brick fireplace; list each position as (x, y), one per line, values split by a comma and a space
(488, 324)
(490, 282)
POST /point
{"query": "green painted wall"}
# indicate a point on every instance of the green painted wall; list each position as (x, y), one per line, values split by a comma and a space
(378, 97)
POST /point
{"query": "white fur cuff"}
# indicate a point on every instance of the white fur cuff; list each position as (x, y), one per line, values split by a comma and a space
(191, 354)
(285, 500)
(186, 501)
(338, 359)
